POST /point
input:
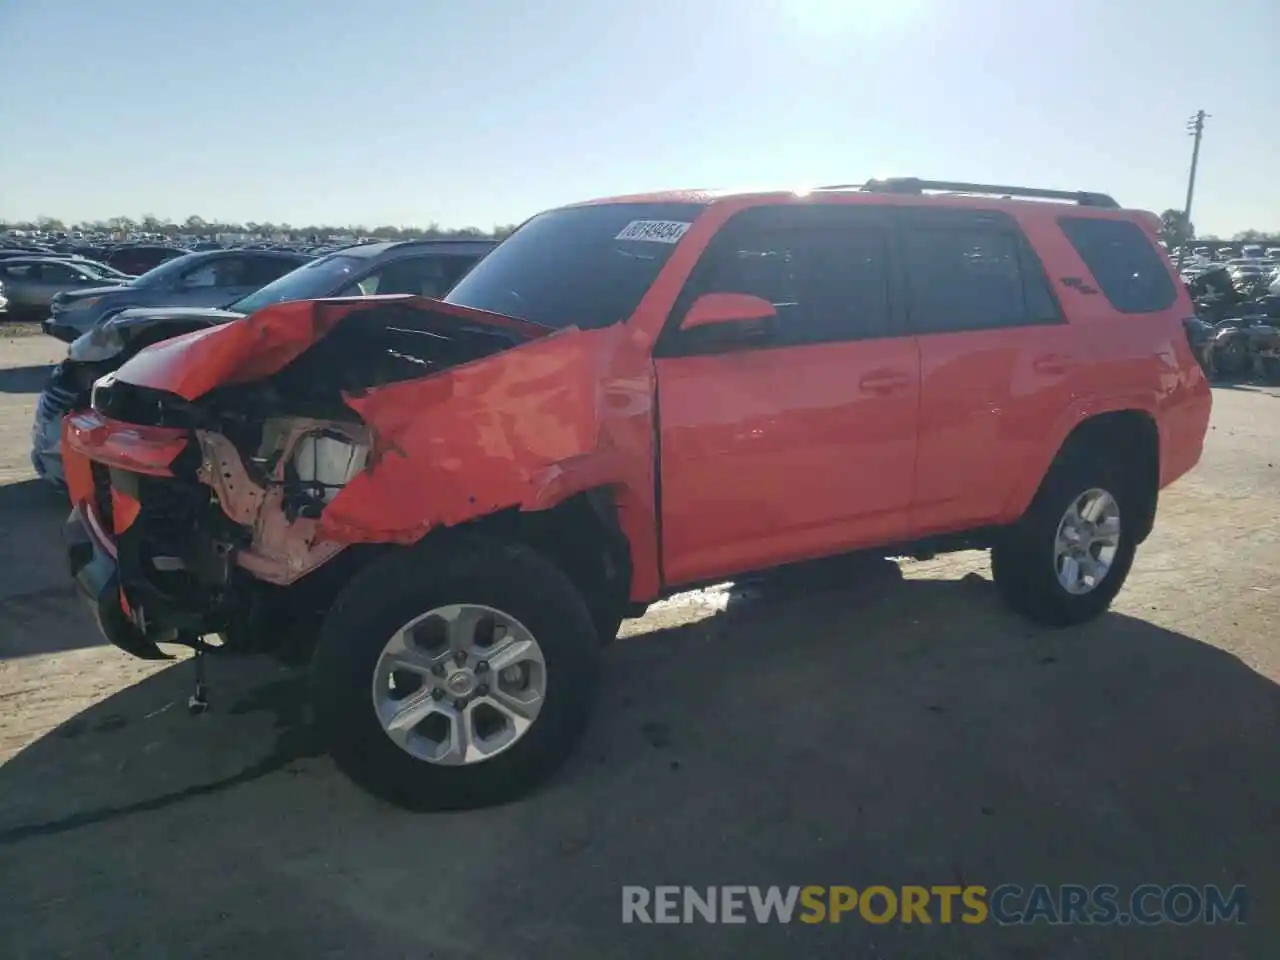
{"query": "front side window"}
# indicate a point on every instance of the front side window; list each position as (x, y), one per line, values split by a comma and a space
(826, 281)
(231, 272)
(202, 277)
(58, 273)
(424, 276)
(585, 266)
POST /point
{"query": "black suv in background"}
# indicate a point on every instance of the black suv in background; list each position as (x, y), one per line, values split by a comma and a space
(426, 268)
(139, 258)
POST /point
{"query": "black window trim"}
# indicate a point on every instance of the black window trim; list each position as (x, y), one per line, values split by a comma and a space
(1030, 266)
(672, 342)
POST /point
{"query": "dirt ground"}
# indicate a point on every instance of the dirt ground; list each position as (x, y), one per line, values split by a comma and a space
(892, 728)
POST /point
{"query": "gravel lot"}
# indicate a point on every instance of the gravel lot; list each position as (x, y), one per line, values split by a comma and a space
(893, 727)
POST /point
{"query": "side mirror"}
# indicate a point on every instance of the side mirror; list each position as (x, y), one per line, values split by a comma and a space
(720, 309)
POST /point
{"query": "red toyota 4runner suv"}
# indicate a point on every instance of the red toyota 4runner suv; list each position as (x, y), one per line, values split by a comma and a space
(447, 506)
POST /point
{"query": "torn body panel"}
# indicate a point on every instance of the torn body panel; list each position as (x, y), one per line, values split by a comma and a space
(526, 429)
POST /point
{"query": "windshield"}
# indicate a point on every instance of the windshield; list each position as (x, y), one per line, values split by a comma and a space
(165, 272)
(318, 278)
(579, 266)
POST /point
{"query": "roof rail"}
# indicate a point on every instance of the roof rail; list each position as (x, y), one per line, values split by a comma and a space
(917, 186)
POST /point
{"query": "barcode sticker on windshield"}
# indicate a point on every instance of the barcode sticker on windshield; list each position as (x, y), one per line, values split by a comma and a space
(656, 231)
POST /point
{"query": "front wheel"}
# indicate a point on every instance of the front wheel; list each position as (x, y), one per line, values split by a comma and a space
(1068, 556)
(458, 679)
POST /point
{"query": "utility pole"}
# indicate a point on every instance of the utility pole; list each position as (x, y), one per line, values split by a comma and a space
(1195, 127)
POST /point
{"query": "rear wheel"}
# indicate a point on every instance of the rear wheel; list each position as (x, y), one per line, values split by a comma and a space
(1068, 556)
(455, 680)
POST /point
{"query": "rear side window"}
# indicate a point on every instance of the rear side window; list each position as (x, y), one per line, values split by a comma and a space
(962, 277)
(1124, 263)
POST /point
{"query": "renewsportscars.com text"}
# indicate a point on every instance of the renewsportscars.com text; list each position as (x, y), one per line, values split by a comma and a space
(1006, 904)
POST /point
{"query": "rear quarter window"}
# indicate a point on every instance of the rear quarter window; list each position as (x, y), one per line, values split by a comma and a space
(1124, 263)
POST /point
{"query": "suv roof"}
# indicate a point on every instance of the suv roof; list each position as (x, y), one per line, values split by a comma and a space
(891, 186)
(371, 250)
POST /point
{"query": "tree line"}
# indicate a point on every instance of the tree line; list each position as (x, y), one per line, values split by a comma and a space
(200, 227)
(1176, 230)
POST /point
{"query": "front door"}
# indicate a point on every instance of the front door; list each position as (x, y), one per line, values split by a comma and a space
(800, 444)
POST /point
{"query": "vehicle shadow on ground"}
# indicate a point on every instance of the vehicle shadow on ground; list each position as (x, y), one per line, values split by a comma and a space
(893, 732)
(25, 379)
(36, 610)
(1249, 386)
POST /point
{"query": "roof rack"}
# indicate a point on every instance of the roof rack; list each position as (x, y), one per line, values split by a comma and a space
(914, 185)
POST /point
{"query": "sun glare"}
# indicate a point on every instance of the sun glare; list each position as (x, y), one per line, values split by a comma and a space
(839, 18)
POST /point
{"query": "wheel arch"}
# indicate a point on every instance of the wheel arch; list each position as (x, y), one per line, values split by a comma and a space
(582, 533)
(1126, 434)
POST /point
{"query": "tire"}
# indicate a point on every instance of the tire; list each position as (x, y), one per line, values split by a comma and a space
(1023, 560)
(392, 592)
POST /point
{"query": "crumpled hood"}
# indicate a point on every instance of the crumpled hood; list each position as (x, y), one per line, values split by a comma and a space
(256, 346)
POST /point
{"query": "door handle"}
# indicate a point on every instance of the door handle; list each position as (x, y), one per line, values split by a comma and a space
(881, 382)
(1052, 364)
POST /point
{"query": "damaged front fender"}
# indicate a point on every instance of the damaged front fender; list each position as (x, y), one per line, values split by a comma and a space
(522, 429)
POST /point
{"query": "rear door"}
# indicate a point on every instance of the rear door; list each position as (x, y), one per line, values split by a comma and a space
(800, 444)
(996, 361)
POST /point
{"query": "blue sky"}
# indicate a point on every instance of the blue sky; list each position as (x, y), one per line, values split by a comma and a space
(475, 112)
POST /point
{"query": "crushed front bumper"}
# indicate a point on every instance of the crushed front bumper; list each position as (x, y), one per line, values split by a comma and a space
(93, 566)
(104, 536)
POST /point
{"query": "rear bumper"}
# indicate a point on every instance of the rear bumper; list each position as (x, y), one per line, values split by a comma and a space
(96, 573)
(1183, 426)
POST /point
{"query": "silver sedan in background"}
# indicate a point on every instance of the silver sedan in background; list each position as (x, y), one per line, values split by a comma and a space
(31, 283)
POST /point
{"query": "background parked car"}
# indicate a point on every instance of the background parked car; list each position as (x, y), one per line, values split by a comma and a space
(31, 283)
(427, 268)
(210, 279)
(139, 259)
